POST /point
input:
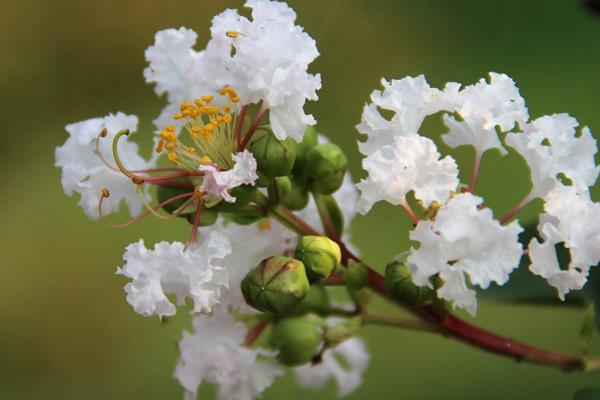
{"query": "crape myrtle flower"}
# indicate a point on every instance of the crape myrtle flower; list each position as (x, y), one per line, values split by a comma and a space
(571, 219)
(464, 241)
(170, 269)
(215, 352)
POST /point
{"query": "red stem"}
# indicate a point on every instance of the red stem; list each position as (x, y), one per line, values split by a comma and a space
(255, 332)
(493, 343)
(197, 216)
(475, 173)
(252, 129)
(238, 125)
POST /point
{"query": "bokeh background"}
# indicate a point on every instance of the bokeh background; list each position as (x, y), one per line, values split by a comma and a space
(66, 331)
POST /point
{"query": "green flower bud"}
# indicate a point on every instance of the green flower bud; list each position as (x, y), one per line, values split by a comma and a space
(326, 164)
(298, 339)
(399, 284)
(274, 157)
(279, 187)
(243, 195)
(164, 193)
(355, 275)
(207, 218)
(296, 198)
(316, 301)
(263, 181)
(309, 141)
(320, 256)
(277, 285)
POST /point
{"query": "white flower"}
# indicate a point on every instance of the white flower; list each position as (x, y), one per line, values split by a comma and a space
(411, 100)
(169, 269)
(464, 240)
(219, 183)
(84, 172)
(411, 163)
(572, 219)
(483, 107)
(551, 146)
(347, 372)
(214, 353)
(269, 63)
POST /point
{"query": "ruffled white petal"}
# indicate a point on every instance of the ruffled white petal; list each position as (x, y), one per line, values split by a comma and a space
(214, 353)
(411, 163)
(83, 171)
(464, 241)
(551, 146)
(571, 219)
(346, 373)
(219, 183)
(169, 269)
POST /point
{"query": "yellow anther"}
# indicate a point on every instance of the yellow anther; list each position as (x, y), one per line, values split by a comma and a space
(226, 109)
(232, 34)
(170, 146)
(214, 122)
(170, 128)
(227, 118)
(159, 145)
(235, 99)
(207, 135)
(170, 137)
(185, 105)
(264, 224)
(105, 192)
(206, 160)
(193, 112)
(173, 156)
(103, 133)
(209, 127)
(178, 116)
(206, 99)
(435, 205)
(191, 150)
(198, 102)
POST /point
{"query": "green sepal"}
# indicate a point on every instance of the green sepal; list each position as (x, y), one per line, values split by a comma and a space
(273, 157)
(326, 165)
(243, 195)
(297, 197)
(399, 284)
(355, 275)
(309, 140)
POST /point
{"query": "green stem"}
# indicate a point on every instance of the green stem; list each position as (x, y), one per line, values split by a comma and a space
(328, 225)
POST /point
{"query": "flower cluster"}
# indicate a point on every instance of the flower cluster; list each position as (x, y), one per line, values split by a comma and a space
(270, 203)
(460, 241)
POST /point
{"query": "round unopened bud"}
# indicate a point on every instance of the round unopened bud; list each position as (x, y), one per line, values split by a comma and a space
(296, 198)
(277, 285)
(298, 339)
(399, 284)
(320, 256)
(309, 140)
(316, 301)
(355, 275)
(279, 187)
(273, 157)
(326, 164)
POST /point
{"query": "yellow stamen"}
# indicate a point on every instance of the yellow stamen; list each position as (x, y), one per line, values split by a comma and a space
(173, 156)
(232, 34)
(207, 99)
(206, 160)
(105, 192)
(198, 102)
(227, 118)
(159, 146)
(191, 150)
(198, 192)
(207, 135)
(170, 146)
(235, 99)
(178, 116)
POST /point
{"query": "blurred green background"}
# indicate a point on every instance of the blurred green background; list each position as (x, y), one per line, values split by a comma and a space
(67, 331)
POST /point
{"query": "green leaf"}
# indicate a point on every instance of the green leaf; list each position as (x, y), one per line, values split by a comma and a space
(589, 393)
